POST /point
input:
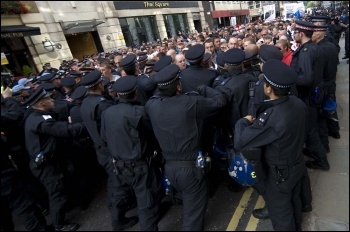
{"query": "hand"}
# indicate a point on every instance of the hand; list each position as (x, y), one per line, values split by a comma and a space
(250, 118)
(7, 93)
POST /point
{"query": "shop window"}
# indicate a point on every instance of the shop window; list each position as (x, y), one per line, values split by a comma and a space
(175, 23)
(137, 30)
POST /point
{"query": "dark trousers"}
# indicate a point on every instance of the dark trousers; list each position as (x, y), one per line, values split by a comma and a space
(313, 141)
(143, 180)
(283, 202)
(347, 42)
(116, 207)
(51, 177)
(194, 195)
(14, 201)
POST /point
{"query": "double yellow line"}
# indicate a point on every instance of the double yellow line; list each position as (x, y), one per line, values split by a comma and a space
(243, 203)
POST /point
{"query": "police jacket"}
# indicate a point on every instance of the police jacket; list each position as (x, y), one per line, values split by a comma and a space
(330, 54)
(307, 60)
(41, 132)
(91, 110)
(74, 112)
(195, 76)
(238, 84)
(145, 88)
(177, 121)
(280, 130)
(123, 129)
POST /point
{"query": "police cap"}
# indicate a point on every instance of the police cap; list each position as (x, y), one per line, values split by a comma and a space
(206, 58)
(105, 81)
(91, 79)
(320, 28)
(128, 61)
(248, 55)
(37, 95)
(48, 86)
(320, 18)
(79, 93)
(47, 77)
(162, 63)
(304, 25)
(234, 57)
(268, 52)
(278, 74)
(125, 85)
(142, 53)
(75, 73)
(220, 59)
(195, 53)
(142, 58)
(18, 88)
(167, 75)
(68, 81)
(150, 63)
(47, 64)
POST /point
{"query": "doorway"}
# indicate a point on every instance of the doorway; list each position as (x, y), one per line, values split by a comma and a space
(81, 44)
(197, 25)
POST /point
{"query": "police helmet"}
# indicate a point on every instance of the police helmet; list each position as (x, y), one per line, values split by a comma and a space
(329, 106)
(241, 170)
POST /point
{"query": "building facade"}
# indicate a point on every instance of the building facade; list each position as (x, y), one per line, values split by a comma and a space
(77, 28)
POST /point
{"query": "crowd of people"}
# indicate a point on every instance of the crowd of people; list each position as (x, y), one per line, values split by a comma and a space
(135, 116)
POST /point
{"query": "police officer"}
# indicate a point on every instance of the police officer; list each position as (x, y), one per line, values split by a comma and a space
(196, 74)
(54, 78)
(145, 84)
(125, 129)
(91, 111)
(256, 91)
(306, 62)
(325, 20)
(331, 58)
(238, 85)
(180, 151)
(41, 132)
(281, 123)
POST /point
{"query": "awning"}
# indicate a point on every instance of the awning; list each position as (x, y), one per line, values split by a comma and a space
(80, 26)
(19, 31)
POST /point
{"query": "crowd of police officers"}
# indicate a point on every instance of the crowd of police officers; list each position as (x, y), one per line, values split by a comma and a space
(143, 121)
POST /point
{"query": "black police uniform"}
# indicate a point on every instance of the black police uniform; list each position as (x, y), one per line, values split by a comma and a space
(172, 118)
(41, 132)
(124, 129)
(238, 85)
(145, 84)
(306, 62)
(279, 130)
(256, 91)
(14, 199)
(331, 58)
(91, 111)
(196, 75)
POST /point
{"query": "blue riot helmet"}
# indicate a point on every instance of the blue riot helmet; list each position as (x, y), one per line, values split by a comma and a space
(329, 106)
(241, 169)
(166, 184)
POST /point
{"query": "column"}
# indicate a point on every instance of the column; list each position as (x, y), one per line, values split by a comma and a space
(161, 27)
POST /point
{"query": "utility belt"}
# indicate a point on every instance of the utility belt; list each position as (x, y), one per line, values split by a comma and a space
(126, 168)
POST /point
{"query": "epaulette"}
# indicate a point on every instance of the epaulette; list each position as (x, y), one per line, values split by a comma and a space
(192, 93)
(156, 97)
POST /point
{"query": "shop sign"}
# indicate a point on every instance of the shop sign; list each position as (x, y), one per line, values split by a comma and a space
(127, 5)
(11, 35)
(4, 59)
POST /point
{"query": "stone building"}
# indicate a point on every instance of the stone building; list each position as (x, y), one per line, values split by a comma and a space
(54, 31)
